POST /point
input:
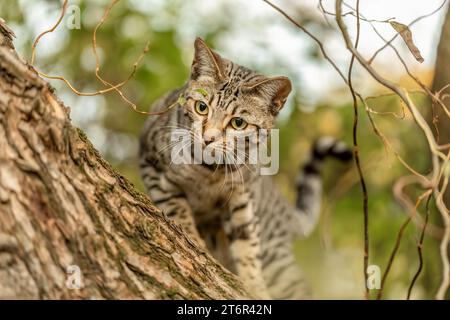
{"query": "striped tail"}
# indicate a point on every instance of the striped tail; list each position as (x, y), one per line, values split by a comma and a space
(309, 185)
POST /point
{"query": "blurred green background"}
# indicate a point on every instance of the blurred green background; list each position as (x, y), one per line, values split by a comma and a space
(252, 34)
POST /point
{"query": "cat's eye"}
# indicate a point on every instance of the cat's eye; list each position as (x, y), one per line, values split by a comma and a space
(201, 108)
(238, 123)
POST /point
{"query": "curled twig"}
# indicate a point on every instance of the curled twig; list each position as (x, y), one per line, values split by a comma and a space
(38, 38)
(431, 181)
(436, 155)
(111, 87)
(398, 191)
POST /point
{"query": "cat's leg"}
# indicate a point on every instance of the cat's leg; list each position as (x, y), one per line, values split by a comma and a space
(172, 201)
(178, 210)
(281, 272)
(243, 230)
(309, 185)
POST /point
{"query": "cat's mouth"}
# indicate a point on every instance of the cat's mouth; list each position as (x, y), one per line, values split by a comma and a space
(216, 155)
(221, 167)
(216, 160)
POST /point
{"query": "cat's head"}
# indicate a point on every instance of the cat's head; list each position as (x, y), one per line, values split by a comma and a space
(226, 99)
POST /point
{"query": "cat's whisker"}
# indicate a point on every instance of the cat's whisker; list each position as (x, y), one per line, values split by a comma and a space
(177, 126)
(171, 144)
(246, 157)
(167, 146)
(182, 147)
(234, 163)
(237, 169)
(234, 181)
(239, 172)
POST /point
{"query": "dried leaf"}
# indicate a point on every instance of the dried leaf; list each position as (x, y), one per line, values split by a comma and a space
(406, 35)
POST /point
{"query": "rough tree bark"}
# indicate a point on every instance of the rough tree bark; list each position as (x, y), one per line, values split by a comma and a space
(61, 204)
(440, 80)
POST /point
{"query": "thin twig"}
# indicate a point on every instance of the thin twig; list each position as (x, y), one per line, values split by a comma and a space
(439, 161)
(409, 25)
(312, 36)
(38, 38)
(420, 248)
(135, 65)
(351, 13)
(436, 154)
(408, 180)
(398, 242)
(341, 75)
(97, 69)
(435, 97)
(357, 159)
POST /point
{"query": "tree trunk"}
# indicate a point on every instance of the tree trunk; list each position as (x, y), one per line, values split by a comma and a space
(440, 80)
(63, 209)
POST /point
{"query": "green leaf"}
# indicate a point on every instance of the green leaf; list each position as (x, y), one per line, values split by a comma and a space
(203, 92)
(181, 100)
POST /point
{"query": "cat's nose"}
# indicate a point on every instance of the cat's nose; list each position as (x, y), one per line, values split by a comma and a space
(211, 135)
(208, 140)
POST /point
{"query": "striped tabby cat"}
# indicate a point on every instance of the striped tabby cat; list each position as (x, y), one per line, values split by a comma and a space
(230, 209)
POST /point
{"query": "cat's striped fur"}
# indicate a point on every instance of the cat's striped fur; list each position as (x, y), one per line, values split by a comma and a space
(239, 215)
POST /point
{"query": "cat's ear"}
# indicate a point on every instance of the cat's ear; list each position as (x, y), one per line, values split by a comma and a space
(206, 62)
(275, 89)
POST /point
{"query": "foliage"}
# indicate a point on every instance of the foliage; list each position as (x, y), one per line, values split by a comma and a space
(332, 257)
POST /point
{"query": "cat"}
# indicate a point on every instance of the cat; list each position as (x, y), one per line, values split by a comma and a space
(231, 209)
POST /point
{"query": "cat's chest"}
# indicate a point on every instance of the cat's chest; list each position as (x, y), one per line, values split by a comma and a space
(209, 198)
(208, 192)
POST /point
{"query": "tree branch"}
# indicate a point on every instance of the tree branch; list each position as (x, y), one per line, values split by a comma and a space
(62, 205)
